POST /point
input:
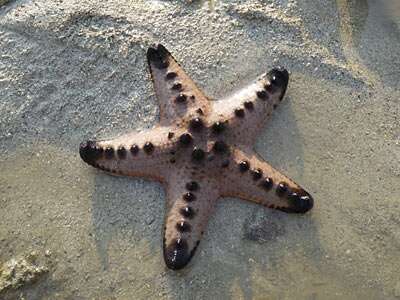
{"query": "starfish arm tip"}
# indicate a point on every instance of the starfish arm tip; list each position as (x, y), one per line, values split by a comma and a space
(176, 254)
(158, 55)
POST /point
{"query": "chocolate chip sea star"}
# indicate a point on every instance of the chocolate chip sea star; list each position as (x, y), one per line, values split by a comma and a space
(201, 151)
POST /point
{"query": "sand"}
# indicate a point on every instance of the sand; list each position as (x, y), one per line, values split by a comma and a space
(72, 70)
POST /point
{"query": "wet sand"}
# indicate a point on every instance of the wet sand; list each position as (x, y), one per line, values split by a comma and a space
(75, 70)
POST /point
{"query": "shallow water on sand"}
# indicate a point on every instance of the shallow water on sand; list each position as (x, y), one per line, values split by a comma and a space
(66, 76)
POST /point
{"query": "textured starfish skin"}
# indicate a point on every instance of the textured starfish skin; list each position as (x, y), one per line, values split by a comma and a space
(201, 151)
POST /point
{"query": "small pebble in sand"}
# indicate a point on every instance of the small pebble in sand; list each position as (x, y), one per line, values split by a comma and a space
(16, 273)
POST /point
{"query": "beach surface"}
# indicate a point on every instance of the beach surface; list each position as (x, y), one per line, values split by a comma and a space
(73, 70)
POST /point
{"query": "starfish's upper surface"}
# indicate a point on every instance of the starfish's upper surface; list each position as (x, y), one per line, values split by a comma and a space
(201, 151)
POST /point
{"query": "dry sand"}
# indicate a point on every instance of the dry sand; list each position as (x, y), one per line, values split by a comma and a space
(70, 70)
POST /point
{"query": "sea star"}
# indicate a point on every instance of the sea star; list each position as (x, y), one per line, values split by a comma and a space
(201, 151)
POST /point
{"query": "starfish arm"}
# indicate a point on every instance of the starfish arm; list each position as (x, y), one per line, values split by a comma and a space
(246, 111)
(251, 178)
(190, 202)
(145, 154)
(177, 94)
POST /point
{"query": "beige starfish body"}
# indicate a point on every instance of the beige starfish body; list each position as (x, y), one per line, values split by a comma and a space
(200, 151)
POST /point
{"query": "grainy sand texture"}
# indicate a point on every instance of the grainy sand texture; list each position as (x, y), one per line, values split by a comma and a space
(72, 70)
